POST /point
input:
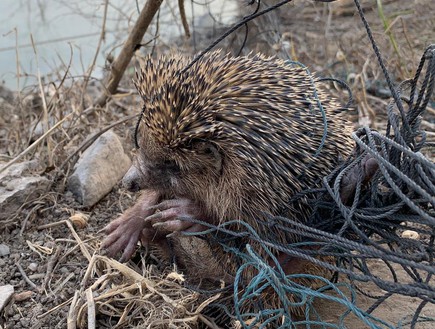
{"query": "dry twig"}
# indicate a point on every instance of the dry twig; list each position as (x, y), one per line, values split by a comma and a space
(183, 17)
(25, 277)
(35, 144)
(97, 53)
(131, 45)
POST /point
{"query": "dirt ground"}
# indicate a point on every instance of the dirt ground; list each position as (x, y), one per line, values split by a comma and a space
(61, 261)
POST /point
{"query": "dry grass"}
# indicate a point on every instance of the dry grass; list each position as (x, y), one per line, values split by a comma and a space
(56, 120)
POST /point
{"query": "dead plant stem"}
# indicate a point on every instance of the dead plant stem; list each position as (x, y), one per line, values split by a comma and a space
(35, 144)
(97, 52)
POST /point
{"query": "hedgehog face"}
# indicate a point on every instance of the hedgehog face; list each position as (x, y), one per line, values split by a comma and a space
(173, 172)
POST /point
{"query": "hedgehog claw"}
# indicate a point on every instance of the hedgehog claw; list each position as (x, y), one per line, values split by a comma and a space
(170, 211)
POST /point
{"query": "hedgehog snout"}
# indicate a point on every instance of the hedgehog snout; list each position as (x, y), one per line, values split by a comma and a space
(145, 174)
(132, 180)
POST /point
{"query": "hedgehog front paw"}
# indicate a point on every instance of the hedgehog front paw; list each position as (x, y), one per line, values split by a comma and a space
(123, 235)
(173, 216)
(124, 232)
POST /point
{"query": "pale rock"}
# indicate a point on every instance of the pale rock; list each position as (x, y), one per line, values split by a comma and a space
(6, 94)
(409, 234)
(18, 184)
(6, 293)
(4, 250)
(33, 267)
(99, 168)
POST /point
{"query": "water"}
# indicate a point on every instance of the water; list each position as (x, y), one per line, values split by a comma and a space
(66, 31)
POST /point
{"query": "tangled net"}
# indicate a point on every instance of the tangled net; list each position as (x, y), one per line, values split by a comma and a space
(399, 197)
(370, 230)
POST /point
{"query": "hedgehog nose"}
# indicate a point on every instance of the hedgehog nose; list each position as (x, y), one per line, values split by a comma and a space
(131, 180)
(132, 186)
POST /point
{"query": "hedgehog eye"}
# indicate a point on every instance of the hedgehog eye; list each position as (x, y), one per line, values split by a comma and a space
(212, 151)
(169, 163)
(209, 150)
(171, 166)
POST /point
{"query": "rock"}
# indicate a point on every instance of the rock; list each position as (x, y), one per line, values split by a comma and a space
(24, 295)
(6, 293)
(6, 94)
(24, 322)
(19, 169)
(18, 185)
(100, 167)
(4, 250)
(33, 267)
(409, 234)
(7, 109)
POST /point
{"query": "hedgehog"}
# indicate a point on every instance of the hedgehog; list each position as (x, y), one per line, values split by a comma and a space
(229, 138)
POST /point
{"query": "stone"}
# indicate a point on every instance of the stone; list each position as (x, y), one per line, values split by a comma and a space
(409, 234)
(4, 250)
(19, 184)
(19, 169)
(33, 267)
(24, 295)
(99, 169)
(6, 94)
(6, 293)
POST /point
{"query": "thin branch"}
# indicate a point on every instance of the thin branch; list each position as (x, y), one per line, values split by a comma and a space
(183, 18)
(131, 45)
